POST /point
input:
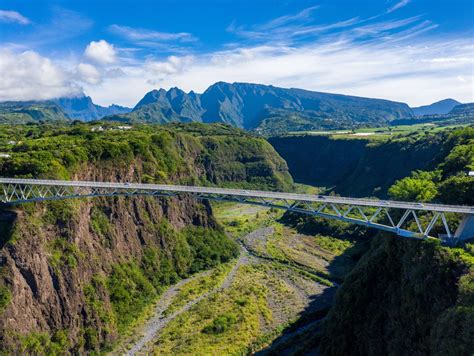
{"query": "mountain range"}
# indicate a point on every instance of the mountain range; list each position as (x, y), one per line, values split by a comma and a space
(265, 109)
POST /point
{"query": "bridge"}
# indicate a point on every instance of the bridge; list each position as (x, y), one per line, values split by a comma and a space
(406, 219)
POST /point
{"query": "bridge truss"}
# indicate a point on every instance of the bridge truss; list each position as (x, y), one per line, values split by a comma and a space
(415, 220)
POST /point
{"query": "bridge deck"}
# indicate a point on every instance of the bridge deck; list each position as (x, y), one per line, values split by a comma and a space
(249, 193)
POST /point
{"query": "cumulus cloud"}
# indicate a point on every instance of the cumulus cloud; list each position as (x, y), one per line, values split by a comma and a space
(160, 70)
(373, 57)
(402, 73)
(101, 52)
(29, 76)
(88, 73)
(13, 17)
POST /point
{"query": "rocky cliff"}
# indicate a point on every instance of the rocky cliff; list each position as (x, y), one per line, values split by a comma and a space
(75, 274)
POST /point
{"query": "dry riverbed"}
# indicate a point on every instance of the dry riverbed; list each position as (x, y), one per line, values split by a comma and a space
(242, 306)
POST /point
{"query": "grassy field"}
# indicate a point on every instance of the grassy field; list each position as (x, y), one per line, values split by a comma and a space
(240, 219)
(199, 286)
(380, 132)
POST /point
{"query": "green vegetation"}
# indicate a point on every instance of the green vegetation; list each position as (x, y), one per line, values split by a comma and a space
(265, 109)
(419, 187)
(31, 112)
(208, 248)
(462, 114)
(44, 344)
(199, 154)
(404, 295)
(130, 291)
(220, 324)
(125, 285)
(225, 323)
(449, 182)
(241, 219)
(199, 286)
(100, 225)
(132, 285)
(63, 253)
(378, 132)
(5, 297)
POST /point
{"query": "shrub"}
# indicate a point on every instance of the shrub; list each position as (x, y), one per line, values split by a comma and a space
(220, 324)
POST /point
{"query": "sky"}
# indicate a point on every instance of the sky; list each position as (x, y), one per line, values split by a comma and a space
(413, 51)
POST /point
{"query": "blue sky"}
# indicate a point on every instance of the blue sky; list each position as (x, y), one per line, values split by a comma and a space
(414, 51)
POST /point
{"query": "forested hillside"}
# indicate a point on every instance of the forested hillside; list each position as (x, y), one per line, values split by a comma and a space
(27, 112)
(77, 274)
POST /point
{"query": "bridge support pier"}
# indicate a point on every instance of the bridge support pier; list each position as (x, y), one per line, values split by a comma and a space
(465, 230)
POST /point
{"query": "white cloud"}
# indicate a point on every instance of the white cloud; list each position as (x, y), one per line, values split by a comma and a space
(399, 72)
(101, 52)
(13, 17)
(160, 70)
(29, 76)
(88, 73)
(140, 34)
(366, 57)
(398, 5)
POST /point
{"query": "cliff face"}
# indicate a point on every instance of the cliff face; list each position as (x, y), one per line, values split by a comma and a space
(51, 260)
(75, 274)
(357, 167)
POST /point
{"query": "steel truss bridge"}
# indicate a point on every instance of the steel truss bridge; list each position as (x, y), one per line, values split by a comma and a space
(406, 219)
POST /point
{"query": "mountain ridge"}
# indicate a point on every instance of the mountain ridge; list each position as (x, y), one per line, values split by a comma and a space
(83, 108)
(25, 112)
(248, 105)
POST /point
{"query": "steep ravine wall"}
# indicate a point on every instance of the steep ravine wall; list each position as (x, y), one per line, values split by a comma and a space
(48, 295)
(356, 167)
(404, 297)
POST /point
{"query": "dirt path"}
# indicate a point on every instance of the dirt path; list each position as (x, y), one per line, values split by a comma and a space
(157, 322)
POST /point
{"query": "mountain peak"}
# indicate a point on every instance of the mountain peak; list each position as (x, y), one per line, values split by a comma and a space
(83, 108)
(441, 107)
(248, 105)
